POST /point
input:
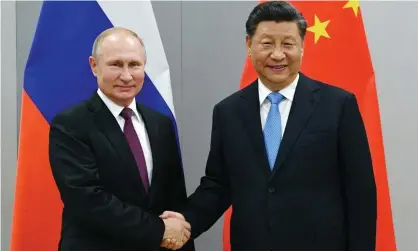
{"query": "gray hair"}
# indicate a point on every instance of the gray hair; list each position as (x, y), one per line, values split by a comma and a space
(97, 42)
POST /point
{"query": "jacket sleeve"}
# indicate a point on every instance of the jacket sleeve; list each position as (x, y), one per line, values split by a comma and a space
(210, 200)
(177, 185)
(358, 179)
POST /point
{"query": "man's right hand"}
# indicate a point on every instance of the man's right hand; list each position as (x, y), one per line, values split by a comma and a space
(177, 233)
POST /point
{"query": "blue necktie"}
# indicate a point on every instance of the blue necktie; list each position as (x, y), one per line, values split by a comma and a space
(273, 128)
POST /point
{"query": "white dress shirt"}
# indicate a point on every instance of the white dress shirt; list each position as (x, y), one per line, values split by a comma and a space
(139, 126)
(284, 106)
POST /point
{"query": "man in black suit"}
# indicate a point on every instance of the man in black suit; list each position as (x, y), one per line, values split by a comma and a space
(289, 153)
(116, 162)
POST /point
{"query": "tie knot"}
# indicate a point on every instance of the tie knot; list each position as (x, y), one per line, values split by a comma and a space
(126, 113)
(275, 97)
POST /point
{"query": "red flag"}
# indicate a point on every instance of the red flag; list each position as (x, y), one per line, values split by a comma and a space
(37, 207)
(336, 52)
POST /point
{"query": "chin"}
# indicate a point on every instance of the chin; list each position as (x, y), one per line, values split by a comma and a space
(124, 97)
(279, 81)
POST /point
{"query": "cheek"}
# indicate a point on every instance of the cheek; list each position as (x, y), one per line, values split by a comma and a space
(295, 59)
(294, 54)
(138, 76)
(260, 59)
(110, 75)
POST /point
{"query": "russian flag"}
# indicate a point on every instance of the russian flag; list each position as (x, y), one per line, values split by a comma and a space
(58, 75)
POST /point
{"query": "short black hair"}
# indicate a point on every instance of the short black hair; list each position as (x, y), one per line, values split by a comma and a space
(278, 11)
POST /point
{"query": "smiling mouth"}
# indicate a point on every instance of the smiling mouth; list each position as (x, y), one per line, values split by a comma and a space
(124, 86)
(277, 67)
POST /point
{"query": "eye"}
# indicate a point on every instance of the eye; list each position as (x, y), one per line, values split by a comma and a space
(266, 44)
(288, 44)
(115, 64)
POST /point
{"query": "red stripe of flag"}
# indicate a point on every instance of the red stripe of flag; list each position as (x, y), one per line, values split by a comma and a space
(37, 206)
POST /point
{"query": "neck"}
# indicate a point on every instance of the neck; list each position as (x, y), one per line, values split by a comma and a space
(278, 86)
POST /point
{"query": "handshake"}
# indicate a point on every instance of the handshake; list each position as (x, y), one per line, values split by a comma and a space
(177, 230)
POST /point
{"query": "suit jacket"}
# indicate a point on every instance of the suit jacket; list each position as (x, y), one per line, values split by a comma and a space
(106, 207)
(321, 194)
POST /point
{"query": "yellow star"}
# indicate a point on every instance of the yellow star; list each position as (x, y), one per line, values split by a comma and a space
(319, 29)
(354, 4)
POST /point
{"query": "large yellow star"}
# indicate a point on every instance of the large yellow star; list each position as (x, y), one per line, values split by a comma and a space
(354, 4)
(319, 29)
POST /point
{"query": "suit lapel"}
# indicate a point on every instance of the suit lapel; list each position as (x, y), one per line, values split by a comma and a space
(111, 129)
(250, 113)
(304, 102)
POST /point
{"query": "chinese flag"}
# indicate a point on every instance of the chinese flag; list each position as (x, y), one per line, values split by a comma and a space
(336, 52)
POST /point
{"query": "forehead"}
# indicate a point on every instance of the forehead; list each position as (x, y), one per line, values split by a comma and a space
(121, 45)
(277, 29)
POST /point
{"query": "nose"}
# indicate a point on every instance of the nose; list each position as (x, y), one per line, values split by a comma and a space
(277, 54)
(125, 76)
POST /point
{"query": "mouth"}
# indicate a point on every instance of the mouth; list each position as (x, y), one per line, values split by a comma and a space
(277, 68)
(124, 87)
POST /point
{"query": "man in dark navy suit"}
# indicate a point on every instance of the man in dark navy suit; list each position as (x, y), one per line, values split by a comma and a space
(288, 152)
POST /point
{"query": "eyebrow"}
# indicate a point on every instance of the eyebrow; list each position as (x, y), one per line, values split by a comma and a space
(120, 60)
(264, 35)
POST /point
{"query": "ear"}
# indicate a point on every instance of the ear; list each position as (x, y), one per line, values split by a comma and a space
(93, 65)
(248, 45)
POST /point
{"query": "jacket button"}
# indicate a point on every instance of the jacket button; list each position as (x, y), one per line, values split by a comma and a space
(272, 190)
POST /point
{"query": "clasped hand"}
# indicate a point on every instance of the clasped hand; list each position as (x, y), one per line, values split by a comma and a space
(177, 230)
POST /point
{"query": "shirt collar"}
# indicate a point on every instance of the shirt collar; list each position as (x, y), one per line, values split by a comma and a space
(114, 108)
(288, 92)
